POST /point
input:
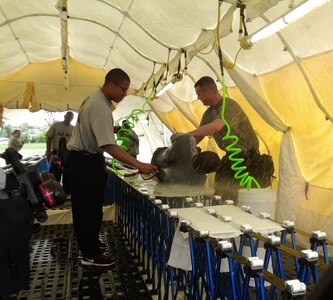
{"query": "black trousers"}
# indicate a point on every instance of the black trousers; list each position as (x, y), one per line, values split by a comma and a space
(87, 180)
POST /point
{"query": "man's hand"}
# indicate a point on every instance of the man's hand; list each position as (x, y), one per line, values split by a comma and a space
(176, 134)
(149, 169)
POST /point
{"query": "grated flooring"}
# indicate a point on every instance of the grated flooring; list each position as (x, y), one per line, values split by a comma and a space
(56, 272)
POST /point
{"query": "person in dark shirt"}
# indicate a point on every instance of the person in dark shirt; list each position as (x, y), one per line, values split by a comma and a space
(259, 166)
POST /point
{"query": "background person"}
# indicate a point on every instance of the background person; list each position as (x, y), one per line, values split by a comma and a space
(94, 134)
(56, 139)
(14, 141)
(132, 144)
(259, 166)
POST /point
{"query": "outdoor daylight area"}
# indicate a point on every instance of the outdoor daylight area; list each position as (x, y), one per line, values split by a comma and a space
(33, 127)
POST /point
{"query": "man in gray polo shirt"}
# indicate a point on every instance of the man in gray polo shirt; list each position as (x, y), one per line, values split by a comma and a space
(93, 134)
(259, 166)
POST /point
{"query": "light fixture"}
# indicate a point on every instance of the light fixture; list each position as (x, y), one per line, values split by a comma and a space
(175, 78)
(280, 23)
(164, 89)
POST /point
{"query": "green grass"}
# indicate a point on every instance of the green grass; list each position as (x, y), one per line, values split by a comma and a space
(26, 151)
(26, 147)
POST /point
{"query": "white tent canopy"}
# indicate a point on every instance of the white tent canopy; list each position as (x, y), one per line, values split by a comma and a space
(52, 54)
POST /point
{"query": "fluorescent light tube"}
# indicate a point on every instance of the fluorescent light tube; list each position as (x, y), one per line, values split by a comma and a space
(164, 89)
(280, 23)
(302, 9)
(267, 31)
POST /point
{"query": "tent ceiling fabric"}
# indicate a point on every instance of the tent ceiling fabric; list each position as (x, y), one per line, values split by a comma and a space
(137, 35)
(54, 53)
(101, 32)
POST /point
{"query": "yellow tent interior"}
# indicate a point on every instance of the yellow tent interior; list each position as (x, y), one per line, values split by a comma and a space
(54, 53)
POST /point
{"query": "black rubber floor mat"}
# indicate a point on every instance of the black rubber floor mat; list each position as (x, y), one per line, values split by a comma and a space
(56, 272)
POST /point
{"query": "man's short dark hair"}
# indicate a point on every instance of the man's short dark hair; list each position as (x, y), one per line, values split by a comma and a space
(69, 113)
(206, 82)
(116, 75)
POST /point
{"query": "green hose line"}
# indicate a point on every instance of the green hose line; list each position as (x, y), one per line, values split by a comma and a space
(241, 174)
(129, 122)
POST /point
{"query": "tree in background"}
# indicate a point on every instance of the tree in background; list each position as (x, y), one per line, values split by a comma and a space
(40, 138)
(49, 117)
(25, 135)
(7, 130)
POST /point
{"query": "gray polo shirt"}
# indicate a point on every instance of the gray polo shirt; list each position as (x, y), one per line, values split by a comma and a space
(94, 127)
(57, 131)
(240, 125)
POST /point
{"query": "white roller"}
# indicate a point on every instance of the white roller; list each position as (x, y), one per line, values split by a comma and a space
(288, 224)
(211, 211)
(185, 222)
(255, 263)
(246, 228)
(295, 287)
(174, 214)
(203, 233)
(264, 215)
(189, 199)
(229, 202)
(165, 207)
(225, 245)
(226, 218)
(309, 255)
(246, 208)
(274, 240)
(319, 235)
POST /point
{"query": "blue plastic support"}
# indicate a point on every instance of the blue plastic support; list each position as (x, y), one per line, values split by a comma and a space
(218, 289)
(269, 255)
(232, 292)
(306, 270)
(291, 231)
(238, 271)
(211, 288)
(194, 288)
(166, 235)
(171, 224)
(197, 281)
(277, 266)
(248, 236)
(314, 246)
(143, 234)
(154, 249)
(230, 287)
(259, 282)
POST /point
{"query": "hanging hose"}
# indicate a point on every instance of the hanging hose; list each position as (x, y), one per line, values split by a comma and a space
(130, 123)
(240, 171)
